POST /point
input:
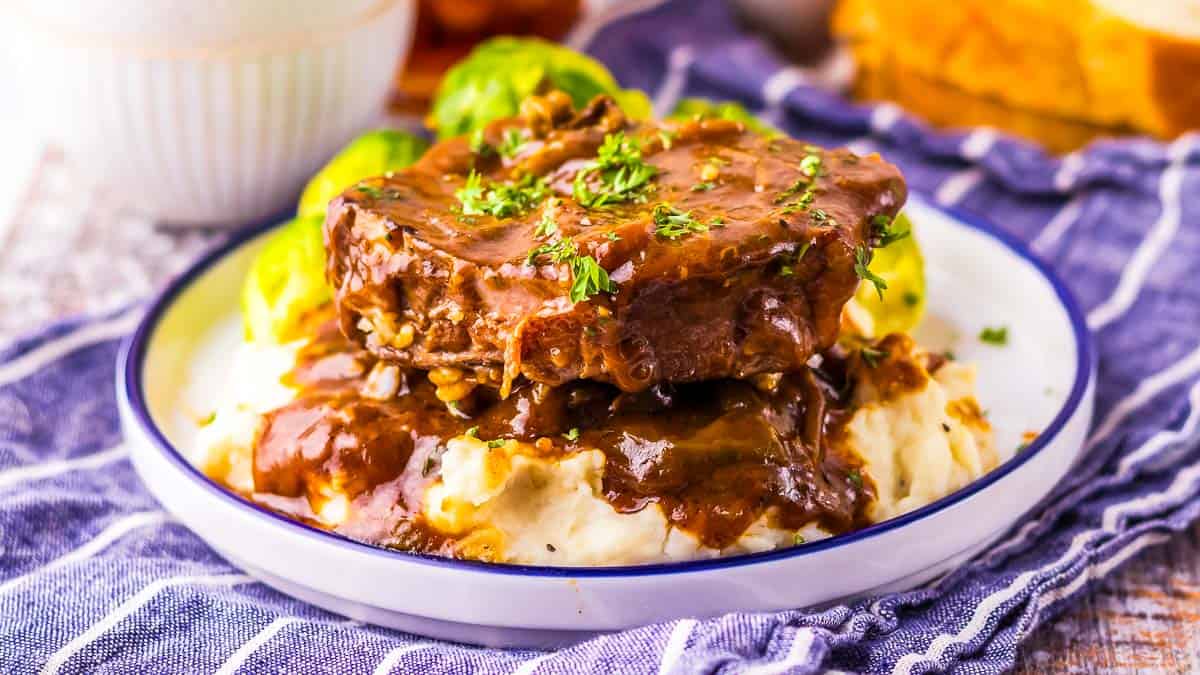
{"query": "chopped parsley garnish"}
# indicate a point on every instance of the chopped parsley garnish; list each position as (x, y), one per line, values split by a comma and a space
(801, 204)
(786, 271)
(428, 466)
(997, 336)
(717, 221)
(589, 277)
(703, 186)
(369, 190)
(499, 442)
(621, 174)
(803, 249)
(512, 142)
(883, 232)
(207, 419)
(500, 200)
(862, 259)
(911, 299)
(1022, 447)
(667, 137)
(479, 146)
(811, 165)
(800, 184)
(547, 226)
(872, 356)
(798, 539)
(473, 432)
(820, 216)
(671, 223)
(572, 434)
(855, 478)
(612, 236)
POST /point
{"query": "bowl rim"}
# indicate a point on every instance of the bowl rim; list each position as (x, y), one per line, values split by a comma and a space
(130, 367)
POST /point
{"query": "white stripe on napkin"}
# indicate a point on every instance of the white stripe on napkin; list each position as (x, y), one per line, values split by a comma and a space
(1155, 244)
(239, 657)
(393, 657)
(675, 645)
(798, 654)
(673, 83)
(23, 474)
(1180, 371)
(1057, 226)
(133, 604)
(529, 666)
(89, 334)
(954, 188)
(96, 544)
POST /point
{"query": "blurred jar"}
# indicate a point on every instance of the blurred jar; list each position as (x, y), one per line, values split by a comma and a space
(210, 113)
(448, 29)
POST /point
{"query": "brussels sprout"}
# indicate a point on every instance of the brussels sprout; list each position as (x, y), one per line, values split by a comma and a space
(286, 279)
(689, 108)
(497, 75)
(371, 154)
(902, 268)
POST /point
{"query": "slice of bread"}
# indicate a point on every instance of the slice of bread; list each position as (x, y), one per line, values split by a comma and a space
(1132, 64)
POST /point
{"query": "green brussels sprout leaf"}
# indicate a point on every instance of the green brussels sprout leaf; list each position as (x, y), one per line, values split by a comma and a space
(491, 82)
(371, 154)
(287, 278)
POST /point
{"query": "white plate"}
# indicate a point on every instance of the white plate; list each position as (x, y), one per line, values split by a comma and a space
(1041, 381)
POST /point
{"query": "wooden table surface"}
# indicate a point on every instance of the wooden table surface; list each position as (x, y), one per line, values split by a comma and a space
(1144, 618)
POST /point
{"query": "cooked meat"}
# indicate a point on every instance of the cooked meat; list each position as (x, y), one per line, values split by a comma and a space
(567, 245)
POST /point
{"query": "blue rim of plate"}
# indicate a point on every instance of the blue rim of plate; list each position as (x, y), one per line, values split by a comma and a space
(133, 352)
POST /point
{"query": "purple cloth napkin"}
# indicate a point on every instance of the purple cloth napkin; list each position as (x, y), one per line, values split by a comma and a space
(94, 576)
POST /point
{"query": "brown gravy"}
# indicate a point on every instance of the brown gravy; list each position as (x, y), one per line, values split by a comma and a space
(715, 456)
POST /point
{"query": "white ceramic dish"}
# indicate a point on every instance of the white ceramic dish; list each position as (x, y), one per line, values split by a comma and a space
(209, 113)
(1041, 381)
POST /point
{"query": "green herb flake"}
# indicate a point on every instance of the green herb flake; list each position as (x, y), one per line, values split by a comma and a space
(497, 443)
(862, 260)
(883, 232)
(811, 166)
(803, 249)
(207, 419)
(716, 221)
(786, 271)
(704, 186)
(911, 299)
(801, 184)
(547, 225)
(369, 190)
(479, 146)
(872, 356)
(667, 137)
(621, 175)
(512, 142)
(671, 223)
(612, 236)
(572, 434)
(997, 336)
(1022, 447)
(473, 432)
(499, 200)
(798, 539)
(428, 466)
(855, 478)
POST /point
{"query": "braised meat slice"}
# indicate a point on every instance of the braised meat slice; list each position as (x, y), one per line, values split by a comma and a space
(565, 245)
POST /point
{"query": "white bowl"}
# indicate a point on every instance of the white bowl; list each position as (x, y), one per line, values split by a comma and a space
(205, 113)
(1041, 381)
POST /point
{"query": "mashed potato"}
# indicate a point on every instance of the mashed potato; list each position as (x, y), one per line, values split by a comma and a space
(920, 436)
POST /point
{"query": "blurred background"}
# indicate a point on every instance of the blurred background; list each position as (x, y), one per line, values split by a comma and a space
(135, 126)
